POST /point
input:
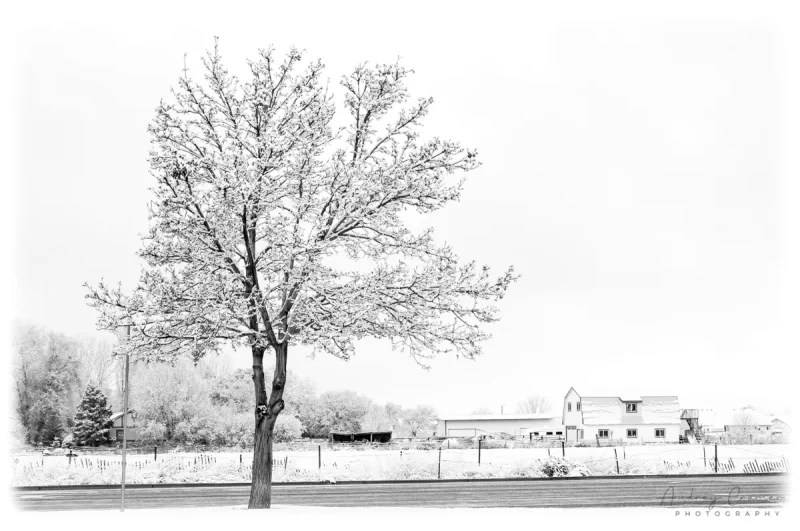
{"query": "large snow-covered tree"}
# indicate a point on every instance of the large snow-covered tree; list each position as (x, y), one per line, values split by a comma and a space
(271, 227)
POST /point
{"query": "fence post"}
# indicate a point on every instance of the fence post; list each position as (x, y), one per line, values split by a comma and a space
(616, 459)
(319, 455)
(155, 453)
(439, 474)
(705, 465)
(716, 462)
(563, 452)
(479, 451)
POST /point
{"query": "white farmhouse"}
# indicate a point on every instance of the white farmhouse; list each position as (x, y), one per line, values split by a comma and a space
(629, 419)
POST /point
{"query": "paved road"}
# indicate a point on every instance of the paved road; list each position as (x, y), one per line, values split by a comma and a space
(738, 491)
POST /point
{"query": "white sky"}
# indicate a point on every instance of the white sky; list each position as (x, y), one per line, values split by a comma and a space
(633, 173)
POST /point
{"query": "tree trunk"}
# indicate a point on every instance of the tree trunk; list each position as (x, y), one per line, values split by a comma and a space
(267, 411)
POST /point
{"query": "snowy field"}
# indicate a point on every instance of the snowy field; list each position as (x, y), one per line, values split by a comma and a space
(342, 465)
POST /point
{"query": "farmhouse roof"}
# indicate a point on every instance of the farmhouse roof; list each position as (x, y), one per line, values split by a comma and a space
(634, 398)
(609, 410)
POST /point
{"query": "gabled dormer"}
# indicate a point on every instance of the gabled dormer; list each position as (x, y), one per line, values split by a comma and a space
(572, 411)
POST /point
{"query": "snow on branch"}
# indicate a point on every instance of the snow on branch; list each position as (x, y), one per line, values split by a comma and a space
(254, 194)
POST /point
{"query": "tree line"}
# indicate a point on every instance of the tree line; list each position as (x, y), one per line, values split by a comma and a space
(64, 388)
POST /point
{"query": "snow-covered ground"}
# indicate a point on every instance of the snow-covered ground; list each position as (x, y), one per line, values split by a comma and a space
(341, 465)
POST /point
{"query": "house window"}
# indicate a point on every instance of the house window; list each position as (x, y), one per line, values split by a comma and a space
(603, 434)
(559, 433)
(549, 433)
(577, 406)
(569, 406)
(661, 433)
(633, 433)
(119, 434)
(630, 407)
(536, 433)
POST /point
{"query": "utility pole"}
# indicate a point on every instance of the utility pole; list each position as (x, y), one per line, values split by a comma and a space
(125, 419)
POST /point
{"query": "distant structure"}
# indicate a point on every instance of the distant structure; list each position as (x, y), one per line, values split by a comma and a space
(116, 430)
(743, 421)
(364, 436)
(590, 419)
(780, 427)
(511, 425)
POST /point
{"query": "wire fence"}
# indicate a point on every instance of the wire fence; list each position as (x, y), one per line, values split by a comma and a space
(326, 464)
(485, 441)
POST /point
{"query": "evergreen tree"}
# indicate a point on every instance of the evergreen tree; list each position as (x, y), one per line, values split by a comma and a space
(91, 418)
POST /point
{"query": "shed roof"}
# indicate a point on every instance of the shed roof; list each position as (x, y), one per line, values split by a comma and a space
(512, 416)
(115, 416)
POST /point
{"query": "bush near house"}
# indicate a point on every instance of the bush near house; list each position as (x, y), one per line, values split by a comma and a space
(557, 467)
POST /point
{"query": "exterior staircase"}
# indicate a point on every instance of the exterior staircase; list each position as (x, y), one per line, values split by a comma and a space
(692, 418)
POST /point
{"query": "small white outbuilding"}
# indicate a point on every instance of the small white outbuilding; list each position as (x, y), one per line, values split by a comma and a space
(514, 425)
